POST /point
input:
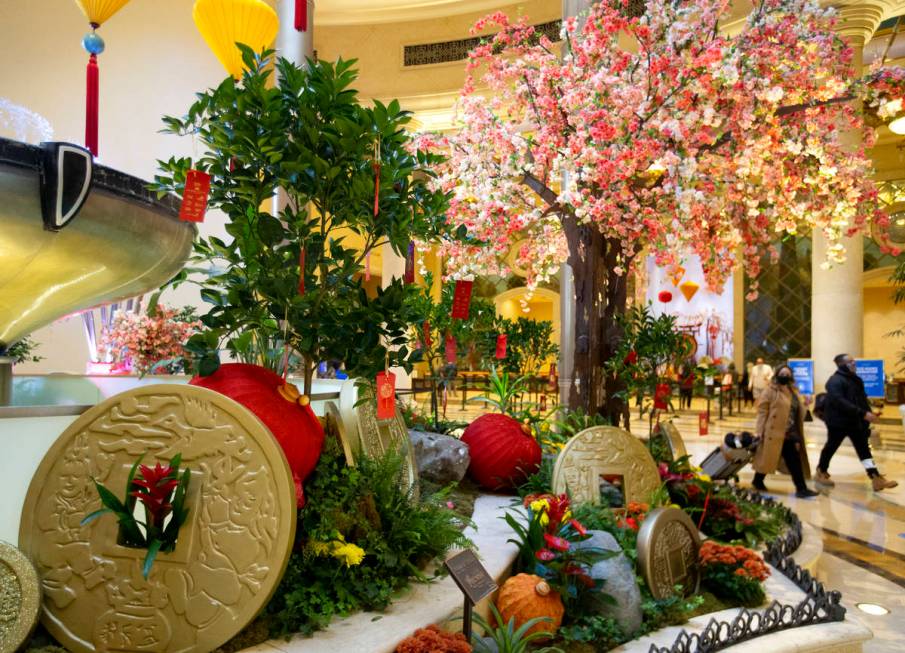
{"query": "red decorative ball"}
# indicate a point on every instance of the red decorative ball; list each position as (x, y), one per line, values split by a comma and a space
(502, 455)
(294, 426)
(665, 296)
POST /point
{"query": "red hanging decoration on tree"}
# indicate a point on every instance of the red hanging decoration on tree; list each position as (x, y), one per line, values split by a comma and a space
(450, 349)
(501, 346)
(92, 102)
(409, 276)
(386, 395)
(426, 334)
(461, 300)
(302, 271)
(376, 167)
(301, 15)
(194, 197)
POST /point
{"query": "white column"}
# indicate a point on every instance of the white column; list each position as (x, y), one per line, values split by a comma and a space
(566, 332)
(291, 43)
(392, 266)
(837, 295)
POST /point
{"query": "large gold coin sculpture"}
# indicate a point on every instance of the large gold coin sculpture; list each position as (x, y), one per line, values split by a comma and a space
(230, 554)
(20, 598)
(668, 545)
(602, 452)
(673, 439)
(378, 436)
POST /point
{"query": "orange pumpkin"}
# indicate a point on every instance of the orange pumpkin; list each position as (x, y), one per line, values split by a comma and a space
(525, 597)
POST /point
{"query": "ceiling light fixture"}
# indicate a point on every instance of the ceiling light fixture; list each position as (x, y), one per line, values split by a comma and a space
(872, 609)
(897, 126)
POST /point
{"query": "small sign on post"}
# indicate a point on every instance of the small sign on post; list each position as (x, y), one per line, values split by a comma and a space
(474, 581)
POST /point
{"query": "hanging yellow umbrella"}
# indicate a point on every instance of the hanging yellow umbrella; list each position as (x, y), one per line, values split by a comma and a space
(97, 12)
(223, 23)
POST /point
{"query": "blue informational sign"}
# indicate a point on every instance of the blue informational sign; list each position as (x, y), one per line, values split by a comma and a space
(871, 372)
(803, 372)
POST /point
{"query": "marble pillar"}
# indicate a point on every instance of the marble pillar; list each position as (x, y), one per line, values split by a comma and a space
(837, 296)
(292, 43)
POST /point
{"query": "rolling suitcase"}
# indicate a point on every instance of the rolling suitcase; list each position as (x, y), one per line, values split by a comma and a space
(730, 457)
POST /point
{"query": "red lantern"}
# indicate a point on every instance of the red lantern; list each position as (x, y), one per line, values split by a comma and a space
(295, 426)
(502, 454)
(665, 296)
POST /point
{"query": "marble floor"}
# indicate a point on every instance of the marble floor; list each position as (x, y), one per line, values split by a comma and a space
(863, 531)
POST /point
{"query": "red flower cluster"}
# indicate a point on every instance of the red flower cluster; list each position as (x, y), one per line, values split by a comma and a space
(744, 561)
(434, 640)
(667, 475)
(634, 515)
(155, 489)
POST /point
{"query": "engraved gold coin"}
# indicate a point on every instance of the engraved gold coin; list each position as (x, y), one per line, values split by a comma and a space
(20, 598)
(229, 556)
(668, 545)
(601, 455)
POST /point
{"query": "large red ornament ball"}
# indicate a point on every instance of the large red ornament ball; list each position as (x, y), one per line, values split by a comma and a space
(665, 296)
(502, 454)
(295, 427)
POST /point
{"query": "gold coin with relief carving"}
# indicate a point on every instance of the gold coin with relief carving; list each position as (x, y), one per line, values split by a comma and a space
(20, 598)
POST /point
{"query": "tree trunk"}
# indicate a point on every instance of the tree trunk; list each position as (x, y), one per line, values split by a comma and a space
(600, 298)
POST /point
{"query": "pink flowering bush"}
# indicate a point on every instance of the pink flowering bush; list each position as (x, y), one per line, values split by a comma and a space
(691, 140)
(138, 342)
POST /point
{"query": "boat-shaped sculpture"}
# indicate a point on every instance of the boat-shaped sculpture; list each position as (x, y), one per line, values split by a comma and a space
(74, 235)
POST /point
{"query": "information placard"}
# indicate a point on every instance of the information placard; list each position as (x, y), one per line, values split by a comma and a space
(471, 577)
(871, 372)
(803, 373)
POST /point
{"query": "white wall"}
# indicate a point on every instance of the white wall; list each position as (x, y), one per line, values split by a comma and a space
(154, 62)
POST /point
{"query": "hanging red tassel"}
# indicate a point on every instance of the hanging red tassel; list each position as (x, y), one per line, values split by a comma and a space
(450, 349)
(501, 346)
(426, 333)
(302, 271)
(376, 166)
(301, 15)
(368, 265)
(92, 82)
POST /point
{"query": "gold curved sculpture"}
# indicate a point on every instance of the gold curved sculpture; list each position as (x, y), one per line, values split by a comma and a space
(122, 242)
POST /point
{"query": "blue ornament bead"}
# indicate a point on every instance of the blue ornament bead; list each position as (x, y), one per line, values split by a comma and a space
(93, 43)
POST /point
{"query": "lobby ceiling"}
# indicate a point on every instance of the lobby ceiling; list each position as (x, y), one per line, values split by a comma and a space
(352, 12)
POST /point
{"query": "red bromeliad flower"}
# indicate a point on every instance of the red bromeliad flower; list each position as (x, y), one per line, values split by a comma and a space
(577, 525)
(155, 488)
(545, 555)
(557, 543)
(559, 506)
(631, 358)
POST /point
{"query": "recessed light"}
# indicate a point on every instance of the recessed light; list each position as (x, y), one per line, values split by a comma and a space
(897, 126)
(872, 609)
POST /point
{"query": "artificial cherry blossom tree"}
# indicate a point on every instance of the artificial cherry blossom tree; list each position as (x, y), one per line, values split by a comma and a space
(658, 134)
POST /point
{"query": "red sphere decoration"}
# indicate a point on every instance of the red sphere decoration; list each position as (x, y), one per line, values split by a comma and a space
(295, 427)
(502, 455)
(665, 296)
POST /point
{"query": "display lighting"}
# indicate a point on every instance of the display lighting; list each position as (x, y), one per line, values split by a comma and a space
(872, 609)
(897, 126)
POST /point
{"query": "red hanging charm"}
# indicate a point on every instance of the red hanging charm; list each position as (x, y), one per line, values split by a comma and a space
(426, 334)
(194, 197)
(409, 276)
(92, 103)
(450, 349)
(501, 346)
(302, 271)
(661, 396)
(386, 395)
(368, 265)
(461, 300)
(301, 15)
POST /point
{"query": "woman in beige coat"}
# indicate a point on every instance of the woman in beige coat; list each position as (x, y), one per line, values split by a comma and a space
(780, 427)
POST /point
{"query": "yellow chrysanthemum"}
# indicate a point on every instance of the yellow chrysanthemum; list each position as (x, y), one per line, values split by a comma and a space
(705, 478)
(349, 554)
(319, 548)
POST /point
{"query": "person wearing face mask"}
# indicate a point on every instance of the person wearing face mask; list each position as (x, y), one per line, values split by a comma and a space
(780, 427)
(848, 413)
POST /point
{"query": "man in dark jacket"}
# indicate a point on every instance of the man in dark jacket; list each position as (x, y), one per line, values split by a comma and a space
(848, 413)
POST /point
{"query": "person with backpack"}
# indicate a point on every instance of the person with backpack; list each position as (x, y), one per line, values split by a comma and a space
(847, 413)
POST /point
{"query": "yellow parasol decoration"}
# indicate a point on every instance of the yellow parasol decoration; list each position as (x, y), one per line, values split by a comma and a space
(223, 23)
(689, 289)
(97, 12)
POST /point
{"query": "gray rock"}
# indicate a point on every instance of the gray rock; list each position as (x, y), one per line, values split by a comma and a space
(618, 575)
(441, 458)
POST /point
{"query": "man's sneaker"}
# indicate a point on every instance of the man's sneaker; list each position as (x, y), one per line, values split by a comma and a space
(806, 494)
(881, 483)
(823, 478)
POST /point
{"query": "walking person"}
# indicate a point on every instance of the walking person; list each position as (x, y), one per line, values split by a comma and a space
(759, 379)
(686, 386)
(743, 391)
(848, 413)
(780, 427)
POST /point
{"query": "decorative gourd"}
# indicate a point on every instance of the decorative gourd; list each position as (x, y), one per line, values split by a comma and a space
(502, 454)
(289, 418)
(526, 597)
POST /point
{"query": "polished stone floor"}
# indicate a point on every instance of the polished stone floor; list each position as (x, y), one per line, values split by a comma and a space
(863, 531)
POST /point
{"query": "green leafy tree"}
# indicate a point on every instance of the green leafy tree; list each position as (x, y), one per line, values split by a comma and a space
(307, 135)
(529, 344)
(434, 320)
